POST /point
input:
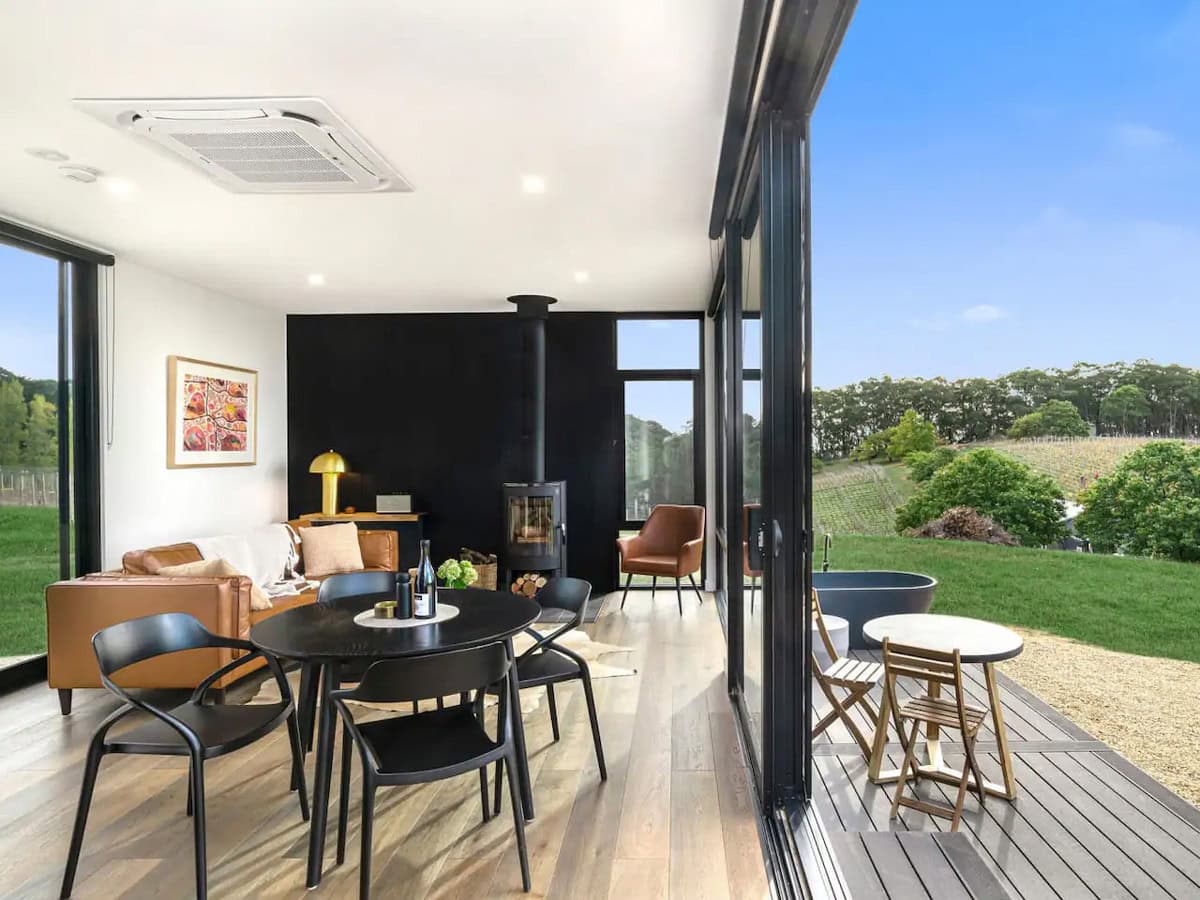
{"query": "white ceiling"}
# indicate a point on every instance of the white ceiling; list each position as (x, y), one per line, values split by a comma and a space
(619, 104)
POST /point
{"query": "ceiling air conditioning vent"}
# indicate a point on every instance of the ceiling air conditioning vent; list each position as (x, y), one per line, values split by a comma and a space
(258, 145)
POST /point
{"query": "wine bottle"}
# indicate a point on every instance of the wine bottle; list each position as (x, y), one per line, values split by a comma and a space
(424, 591)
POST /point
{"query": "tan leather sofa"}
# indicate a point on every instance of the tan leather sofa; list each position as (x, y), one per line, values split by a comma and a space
(77, 609)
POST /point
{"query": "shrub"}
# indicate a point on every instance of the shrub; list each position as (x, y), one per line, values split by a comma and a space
(1029, 505)
(922, 464)
(1148, 506)
(913, 435)
(961, 523)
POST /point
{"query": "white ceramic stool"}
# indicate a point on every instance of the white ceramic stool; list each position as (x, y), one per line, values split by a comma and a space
(839, 633)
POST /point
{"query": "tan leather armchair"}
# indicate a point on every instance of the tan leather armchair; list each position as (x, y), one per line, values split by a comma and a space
(77, 609)
(670, 545)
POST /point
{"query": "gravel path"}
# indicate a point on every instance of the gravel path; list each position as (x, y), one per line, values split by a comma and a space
(1146, 708)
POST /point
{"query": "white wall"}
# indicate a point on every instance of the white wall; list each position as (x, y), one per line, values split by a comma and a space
(145, 503)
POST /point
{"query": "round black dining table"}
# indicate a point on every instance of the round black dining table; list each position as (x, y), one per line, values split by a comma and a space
(329, 636)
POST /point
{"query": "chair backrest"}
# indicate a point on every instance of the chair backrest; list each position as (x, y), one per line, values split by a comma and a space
(337, 589)
(436, 675)
(570, 594)
(819, 620)
(929, 666)
(126, 643)
(669, 527)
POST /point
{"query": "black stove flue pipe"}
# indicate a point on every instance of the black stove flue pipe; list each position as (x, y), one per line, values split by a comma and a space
(533, 310)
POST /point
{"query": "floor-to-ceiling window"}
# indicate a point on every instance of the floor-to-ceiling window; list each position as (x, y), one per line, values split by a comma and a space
(49, 507)
(660, 362)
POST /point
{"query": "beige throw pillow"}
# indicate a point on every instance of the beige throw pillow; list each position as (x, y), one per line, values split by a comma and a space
(330, 549)
(218, 568)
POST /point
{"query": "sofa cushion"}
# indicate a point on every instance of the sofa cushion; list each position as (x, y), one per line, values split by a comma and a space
(148, 562)
(217, 568)
(331, 549)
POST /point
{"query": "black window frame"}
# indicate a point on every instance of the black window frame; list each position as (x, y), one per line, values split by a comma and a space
(696, 376)
(78, 304)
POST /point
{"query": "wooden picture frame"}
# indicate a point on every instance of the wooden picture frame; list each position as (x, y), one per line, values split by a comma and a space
(212, 414)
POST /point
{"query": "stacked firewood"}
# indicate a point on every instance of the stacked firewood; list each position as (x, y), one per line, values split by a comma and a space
(529, 584)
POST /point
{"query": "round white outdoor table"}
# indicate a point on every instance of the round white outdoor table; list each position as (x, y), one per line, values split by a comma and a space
(977, 642)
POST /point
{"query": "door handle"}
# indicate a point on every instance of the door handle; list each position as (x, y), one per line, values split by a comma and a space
(777, 534)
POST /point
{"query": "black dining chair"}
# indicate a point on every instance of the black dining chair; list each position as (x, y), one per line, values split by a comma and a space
(548, 663)
(338, 591)
(192, 729)
(427, 746)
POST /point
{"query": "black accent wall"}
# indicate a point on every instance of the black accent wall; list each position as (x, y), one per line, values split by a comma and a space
(430, 404)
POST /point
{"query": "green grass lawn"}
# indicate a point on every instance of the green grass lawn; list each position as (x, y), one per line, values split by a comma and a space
(1144, 606)
(28, 562)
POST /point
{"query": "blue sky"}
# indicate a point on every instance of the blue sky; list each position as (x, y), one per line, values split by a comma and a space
(1007, 184)
(28, 313)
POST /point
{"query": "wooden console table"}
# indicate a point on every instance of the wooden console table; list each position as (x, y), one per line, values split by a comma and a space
(409, 528)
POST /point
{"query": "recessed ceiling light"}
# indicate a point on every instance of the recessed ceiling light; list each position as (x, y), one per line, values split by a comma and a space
(117, 186)
(581, 277)
(316, 279)
(533, 184)
(47, 153)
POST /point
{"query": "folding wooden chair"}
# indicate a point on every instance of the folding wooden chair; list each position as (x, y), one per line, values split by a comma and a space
(855, 676)
(935, 668)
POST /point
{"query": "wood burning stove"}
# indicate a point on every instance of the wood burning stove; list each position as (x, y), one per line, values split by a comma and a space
(535, 510)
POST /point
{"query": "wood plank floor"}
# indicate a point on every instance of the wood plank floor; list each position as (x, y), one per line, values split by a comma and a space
(1086, 822)
(675, 818)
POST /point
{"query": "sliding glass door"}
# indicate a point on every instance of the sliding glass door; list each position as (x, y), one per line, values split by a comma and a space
(766, 516)
(47, 437)
(32, 549)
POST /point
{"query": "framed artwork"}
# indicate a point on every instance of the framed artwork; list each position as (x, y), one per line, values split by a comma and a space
(212, 414)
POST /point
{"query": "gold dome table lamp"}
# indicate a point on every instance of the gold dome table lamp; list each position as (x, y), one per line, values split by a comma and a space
(330, 466)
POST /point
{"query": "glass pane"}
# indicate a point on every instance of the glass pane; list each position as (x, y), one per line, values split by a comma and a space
(29, 552)
(753, 595)
(658, 343)
(531, 521)
(658, 445)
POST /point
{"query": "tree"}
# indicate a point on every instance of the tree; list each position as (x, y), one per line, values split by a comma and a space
(1028, 426)
(873, 446)
(1062, 419)
(913, 434)
(922, 464)
(1057, 418)
(12, 421)
(41, 434)
(1026, 503)
(1148, 506)
(1124, 404)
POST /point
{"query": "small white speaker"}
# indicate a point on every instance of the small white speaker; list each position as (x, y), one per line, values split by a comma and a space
(393, 503)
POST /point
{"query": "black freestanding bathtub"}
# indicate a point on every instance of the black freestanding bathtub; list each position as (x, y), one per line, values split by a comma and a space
(859, 597)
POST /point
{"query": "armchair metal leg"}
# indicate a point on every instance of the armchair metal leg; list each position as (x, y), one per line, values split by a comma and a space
(298, 780)
(483, 794)
(64, 701)
(198, 828)
(368, 826)
(696, 588)
(625, 596)
(653, 585)
(91, 768)
(553, 710)
(344, 796)
(679, 596)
